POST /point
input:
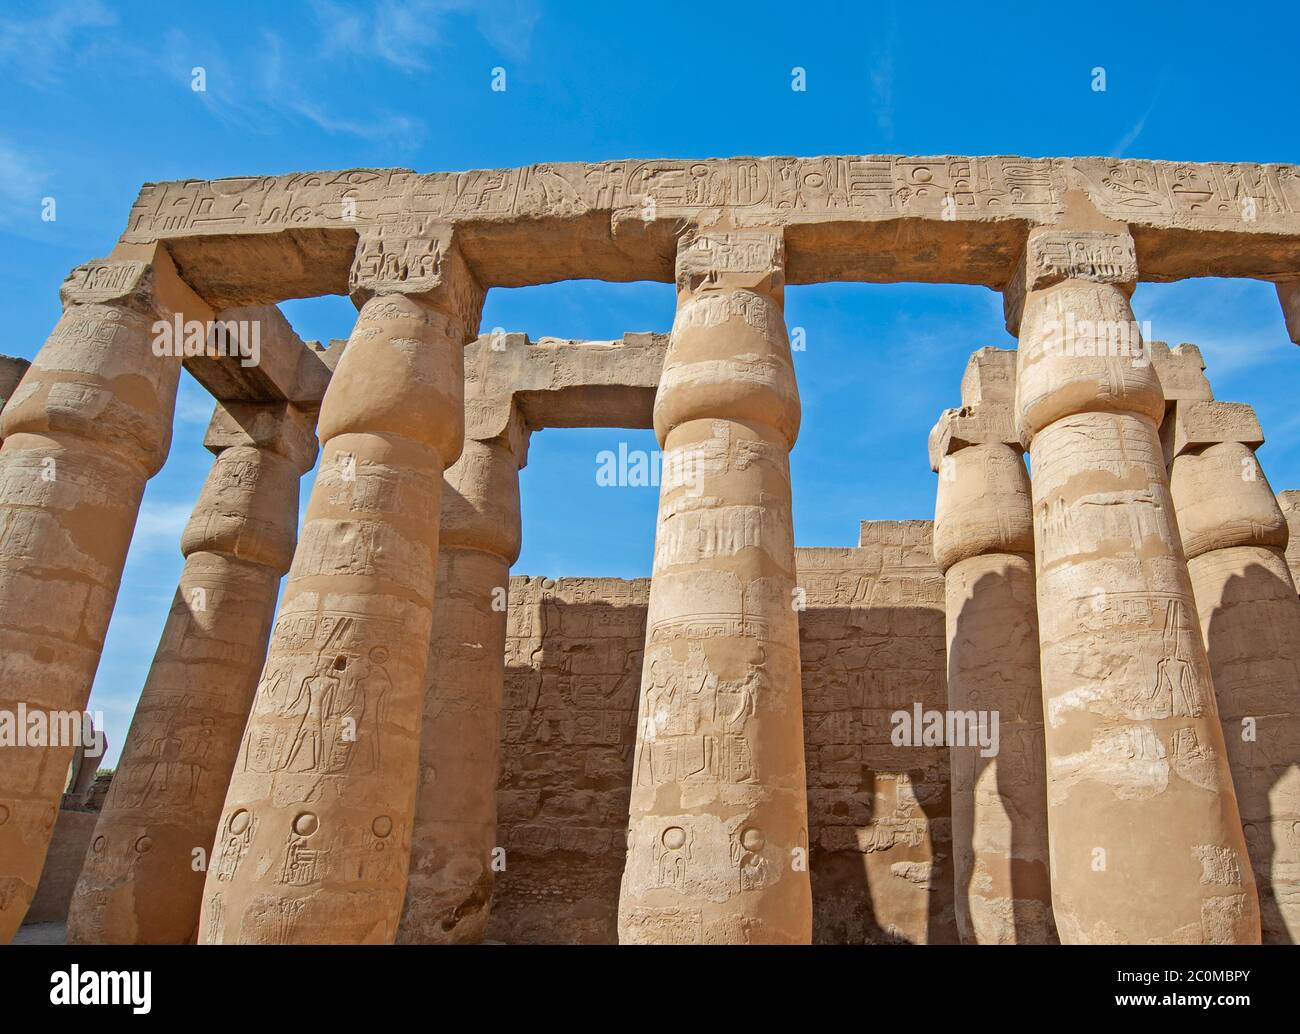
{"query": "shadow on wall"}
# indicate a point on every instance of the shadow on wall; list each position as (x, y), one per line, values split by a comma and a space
(880, 855)
(1254, 645)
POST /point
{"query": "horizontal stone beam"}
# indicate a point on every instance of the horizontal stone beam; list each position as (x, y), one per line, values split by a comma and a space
(873, 218)
(556, 382)
(262, 359)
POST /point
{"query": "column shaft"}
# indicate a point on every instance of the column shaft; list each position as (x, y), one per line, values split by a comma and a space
(314, 839)
(143, 878)
(454, 834)
(717, 836)
(983, 542)
(1145, 835)
(90, 423)
(1235, 536)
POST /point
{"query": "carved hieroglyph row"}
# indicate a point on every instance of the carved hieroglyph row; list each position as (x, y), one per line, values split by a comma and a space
(879, 839)
(261, 239)
(774, 190)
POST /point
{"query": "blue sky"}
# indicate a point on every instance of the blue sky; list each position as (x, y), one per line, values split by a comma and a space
(97, 99)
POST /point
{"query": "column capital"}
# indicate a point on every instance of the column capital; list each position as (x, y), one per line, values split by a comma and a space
(720, 258)
(423, 261)
(1194, 424)
(1053, 255)
(141, 278)
(1181, 371)
(987, 414)
(274, 426)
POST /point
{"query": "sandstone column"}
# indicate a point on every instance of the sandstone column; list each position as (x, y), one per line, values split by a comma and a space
(1235, 536)
(87, 427)
(314, 839)
(1289, 501)
(454, 834)
(717, 836)
(984, 544)
(1145, 836)
(142, 882)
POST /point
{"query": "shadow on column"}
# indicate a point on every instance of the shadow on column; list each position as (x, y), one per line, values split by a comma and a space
(1256, 674)
(1005, 676)
(880, 856)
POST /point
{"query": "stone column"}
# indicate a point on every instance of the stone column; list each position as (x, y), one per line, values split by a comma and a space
(1289, 501)
(1235, 536)
(87, 427)
(452, 843)
(1145, 836)
(314, 839)
(142, 882)
(717, 836)
(984, 545)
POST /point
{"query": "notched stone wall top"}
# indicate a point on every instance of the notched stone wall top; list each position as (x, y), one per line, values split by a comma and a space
(967, 218)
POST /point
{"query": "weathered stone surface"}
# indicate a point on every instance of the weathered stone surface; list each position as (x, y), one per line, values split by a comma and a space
(314, 839)
(1133, 740)
(1289, 501)
(86, 428)
(879, 831)
(765, 795)
(718, 828)
(140, 883)
(1288, 293)
(11, 372)
(984, 543)
(1234, 533)
(260, 239)
(68, 845)
(1180, 371)
(512, 388)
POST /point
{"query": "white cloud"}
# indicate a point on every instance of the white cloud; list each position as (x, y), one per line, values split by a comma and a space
(23, 182)
(38, 49)
(404, 33)
(159, 526)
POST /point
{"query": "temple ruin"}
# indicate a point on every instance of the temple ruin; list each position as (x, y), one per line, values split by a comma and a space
(761, 743)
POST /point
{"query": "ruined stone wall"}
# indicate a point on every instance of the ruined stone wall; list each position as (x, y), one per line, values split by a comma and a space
(872, 641)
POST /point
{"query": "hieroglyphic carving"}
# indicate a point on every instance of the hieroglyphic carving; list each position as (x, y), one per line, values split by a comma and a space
(872, 642)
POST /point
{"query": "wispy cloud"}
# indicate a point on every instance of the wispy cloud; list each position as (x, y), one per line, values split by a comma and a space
(256, 85)
(882, 78)
(23, 181)
(159, 526)
(406, 33)
(1127, 140)
(41, 48)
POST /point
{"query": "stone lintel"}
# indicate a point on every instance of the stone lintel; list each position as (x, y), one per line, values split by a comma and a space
(1181, 372)
(556, 382)
(1288, 294)
(1194, 424)
(960, 219)
(279, 427)
(259, 358)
